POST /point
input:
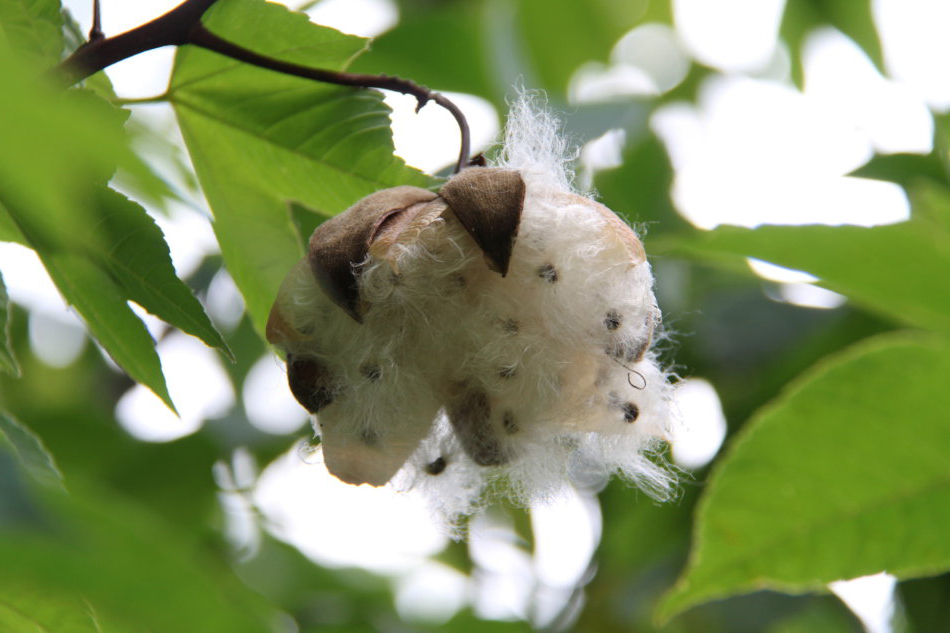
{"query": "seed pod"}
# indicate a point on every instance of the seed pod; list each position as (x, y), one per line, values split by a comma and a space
(502, 325)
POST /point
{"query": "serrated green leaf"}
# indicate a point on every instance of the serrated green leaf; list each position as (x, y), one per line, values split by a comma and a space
(59, 150)
(140, 262)
(260, 140)
(31, 453)
(33, 28)
(7, 358)
(109, 318)
(846, 474)
(896, 270)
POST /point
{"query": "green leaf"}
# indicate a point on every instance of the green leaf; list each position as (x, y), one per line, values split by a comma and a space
(99, 249)
(50, 165)
(827, 616)
(109, 318)
(30, 452)
(467, 60)
(261, 140)
(140, 262)
(7, 358)
(854, 19)
(843, 475)
(128, 565)
(33, 28)
(926, 603)
(897, 270)
(9, 231)
(562, 35)
(31, 610)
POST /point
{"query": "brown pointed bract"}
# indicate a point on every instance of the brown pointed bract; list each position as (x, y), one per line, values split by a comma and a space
(342, 242)
(488, 202)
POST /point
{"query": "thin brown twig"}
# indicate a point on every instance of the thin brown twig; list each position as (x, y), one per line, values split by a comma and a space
(182, 25)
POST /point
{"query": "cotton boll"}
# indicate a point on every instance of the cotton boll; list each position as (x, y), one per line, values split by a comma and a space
(493, 338)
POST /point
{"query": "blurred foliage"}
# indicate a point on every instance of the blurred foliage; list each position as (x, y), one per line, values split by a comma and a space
(837, 456)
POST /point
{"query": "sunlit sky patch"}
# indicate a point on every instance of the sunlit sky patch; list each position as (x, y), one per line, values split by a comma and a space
(870, 597)
(703, 428)
(340, 525)
(916, 47)
(198, 385)
(268, 403)
(731, 35)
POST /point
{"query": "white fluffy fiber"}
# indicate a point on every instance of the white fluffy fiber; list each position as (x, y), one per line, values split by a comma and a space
(558, 347)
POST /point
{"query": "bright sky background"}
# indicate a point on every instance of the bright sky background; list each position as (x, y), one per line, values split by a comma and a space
(753, 149)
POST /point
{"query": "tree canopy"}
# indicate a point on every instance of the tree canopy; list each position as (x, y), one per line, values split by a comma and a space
(837, 456)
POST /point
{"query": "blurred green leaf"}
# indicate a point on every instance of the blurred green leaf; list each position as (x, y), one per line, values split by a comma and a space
(33, 28)
(33, 610)
(854, 19)
(260, 140)
(9, 232)
(639, 189)
(562, 35)
(29, 449)
(896, 270)
(141, 264)
(926, 603)
(486, 47)
(24, 611)
(826, 616)
(129, 565)
(467, 58)
(843, 475)
(7, 358)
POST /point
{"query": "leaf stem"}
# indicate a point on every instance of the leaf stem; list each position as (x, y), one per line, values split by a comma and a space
(182, 25)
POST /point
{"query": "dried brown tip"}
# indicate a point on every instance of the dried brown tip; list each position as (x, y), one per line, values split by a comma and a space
(488, 202)
(342, 242)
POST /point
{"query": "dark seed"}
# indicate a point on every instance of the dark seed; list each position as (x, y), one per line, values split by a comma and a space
(510, 326)
(460, 281)
(627, 353)
(369, 437)
(612, 321)
(548, 273)
(310, 382)
(371, 372)
(630, 412)
(508, 422)
(437, 466)
(507, 372)
(470, 415)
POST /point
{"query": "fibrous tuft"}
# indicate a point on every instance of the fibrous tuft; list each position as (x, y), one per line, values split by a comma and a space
(498, 331)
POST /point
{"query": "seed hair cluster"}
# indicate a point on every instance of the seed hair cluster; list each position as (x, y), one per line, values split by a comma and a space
(486, 333)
